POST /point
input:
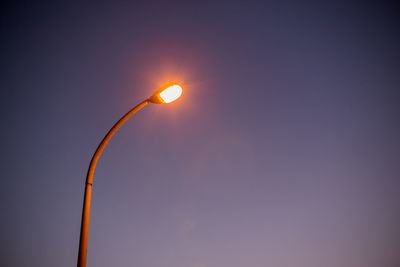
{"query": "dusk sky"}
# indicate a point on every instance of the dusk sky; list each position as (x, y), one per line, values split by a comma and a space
(283, 150)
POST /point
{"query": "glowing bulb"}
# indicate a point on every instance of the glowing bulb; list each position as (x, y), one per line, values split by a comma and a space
(171, 93)
(166, 94)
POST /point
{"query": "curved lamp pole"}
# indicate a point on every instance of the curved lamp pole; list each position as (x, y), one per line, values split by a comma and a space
(166, 94)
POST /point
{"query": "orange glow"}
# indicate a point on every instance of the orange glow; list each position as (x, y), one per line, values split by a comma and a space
(171, 93)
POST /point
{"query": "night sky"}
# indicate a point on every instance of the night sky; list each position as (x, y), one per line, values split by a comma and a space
(283, 150)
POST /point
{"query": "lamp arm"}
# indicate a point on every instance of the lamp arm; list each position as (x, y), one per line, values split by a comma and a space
(83, 241)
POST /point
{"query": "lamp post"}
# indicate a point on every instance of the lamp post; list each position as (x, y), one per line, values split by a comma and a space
(166, 94)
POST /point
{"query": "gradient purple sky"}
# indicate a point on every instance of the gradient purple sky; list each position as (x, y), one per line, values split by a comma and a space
(283, 150)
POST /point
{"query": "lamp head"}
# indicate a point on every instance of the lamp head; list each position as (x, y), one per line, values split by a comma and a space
(166, 94)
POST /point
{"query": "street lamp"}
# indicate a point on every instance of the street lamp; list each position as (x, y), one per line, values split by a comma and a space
(165, 95)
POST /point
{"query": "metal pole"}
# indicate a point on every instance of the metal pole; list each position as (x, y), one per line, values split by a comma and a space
(83, 241)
